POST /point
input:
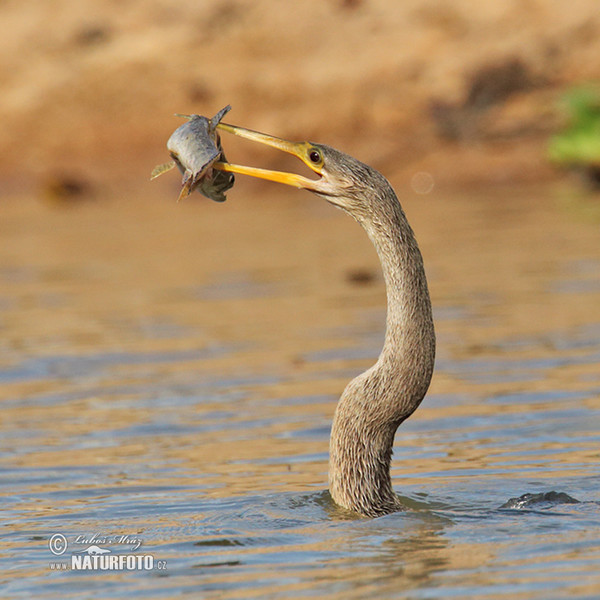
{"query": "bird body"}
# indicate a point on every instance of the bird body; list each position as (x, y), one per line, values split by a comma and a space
(376, 402)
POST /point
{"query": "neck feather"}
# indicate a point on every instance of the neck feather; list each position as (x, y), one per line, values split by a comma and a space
(375, 403)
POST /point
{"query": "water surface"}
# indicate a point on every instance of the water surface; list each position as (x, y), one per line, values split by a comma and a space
(168, 373)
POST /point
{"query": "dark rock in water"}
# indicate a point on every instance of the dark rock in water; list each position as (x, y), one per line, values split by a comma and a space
(63, 189)
(541, 500)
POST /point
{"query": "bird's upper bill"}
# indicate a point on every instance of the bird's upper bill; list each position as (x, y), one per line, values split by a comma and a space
(308, 153)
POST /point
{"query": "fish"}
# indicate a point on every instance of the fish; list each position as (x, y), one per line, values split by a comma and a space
(194, 147)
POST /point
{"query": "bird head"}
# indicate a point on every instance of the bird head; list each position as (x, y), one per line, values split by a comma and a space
(342, 180)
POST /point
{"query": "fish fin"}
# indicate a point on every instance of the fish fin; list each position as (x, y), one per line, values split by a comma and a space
(217, 118)
(186, 188)
(160, 169)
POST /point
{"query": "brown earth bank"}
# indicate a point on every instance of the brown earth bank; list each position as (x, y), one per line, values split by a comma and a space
(466, 92)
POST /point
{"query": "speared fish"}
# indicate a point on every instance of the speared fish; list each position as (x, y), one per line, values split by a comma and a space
(195, 146)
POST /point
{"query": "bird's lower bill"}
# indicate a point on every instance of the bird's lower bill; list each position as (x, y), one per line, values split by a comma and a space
(298, 149)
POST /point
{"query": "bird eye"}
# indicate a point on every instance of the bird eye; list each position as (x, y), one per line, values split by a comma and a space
(315, 156)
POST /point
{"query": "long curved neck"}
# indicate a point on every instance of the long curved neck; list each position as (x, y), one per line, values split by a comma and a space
(375, 403)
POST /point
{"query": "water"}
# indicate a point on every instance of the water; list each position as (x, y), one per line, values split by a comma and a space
(168, 374)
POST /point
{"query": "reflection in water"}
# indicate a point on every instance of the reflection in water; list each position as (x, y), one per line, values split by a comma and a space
(170, 371)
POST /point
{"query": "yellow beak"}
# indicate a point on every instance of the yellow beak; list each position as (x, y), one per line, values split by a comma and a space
(302, 150)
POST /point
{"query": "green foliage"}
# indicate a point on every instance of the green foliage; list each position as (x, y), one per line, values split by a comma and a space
(579, 143)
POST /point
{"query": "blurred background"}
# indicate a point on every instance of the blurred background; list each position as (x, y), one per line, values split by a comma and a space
(468, 92)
